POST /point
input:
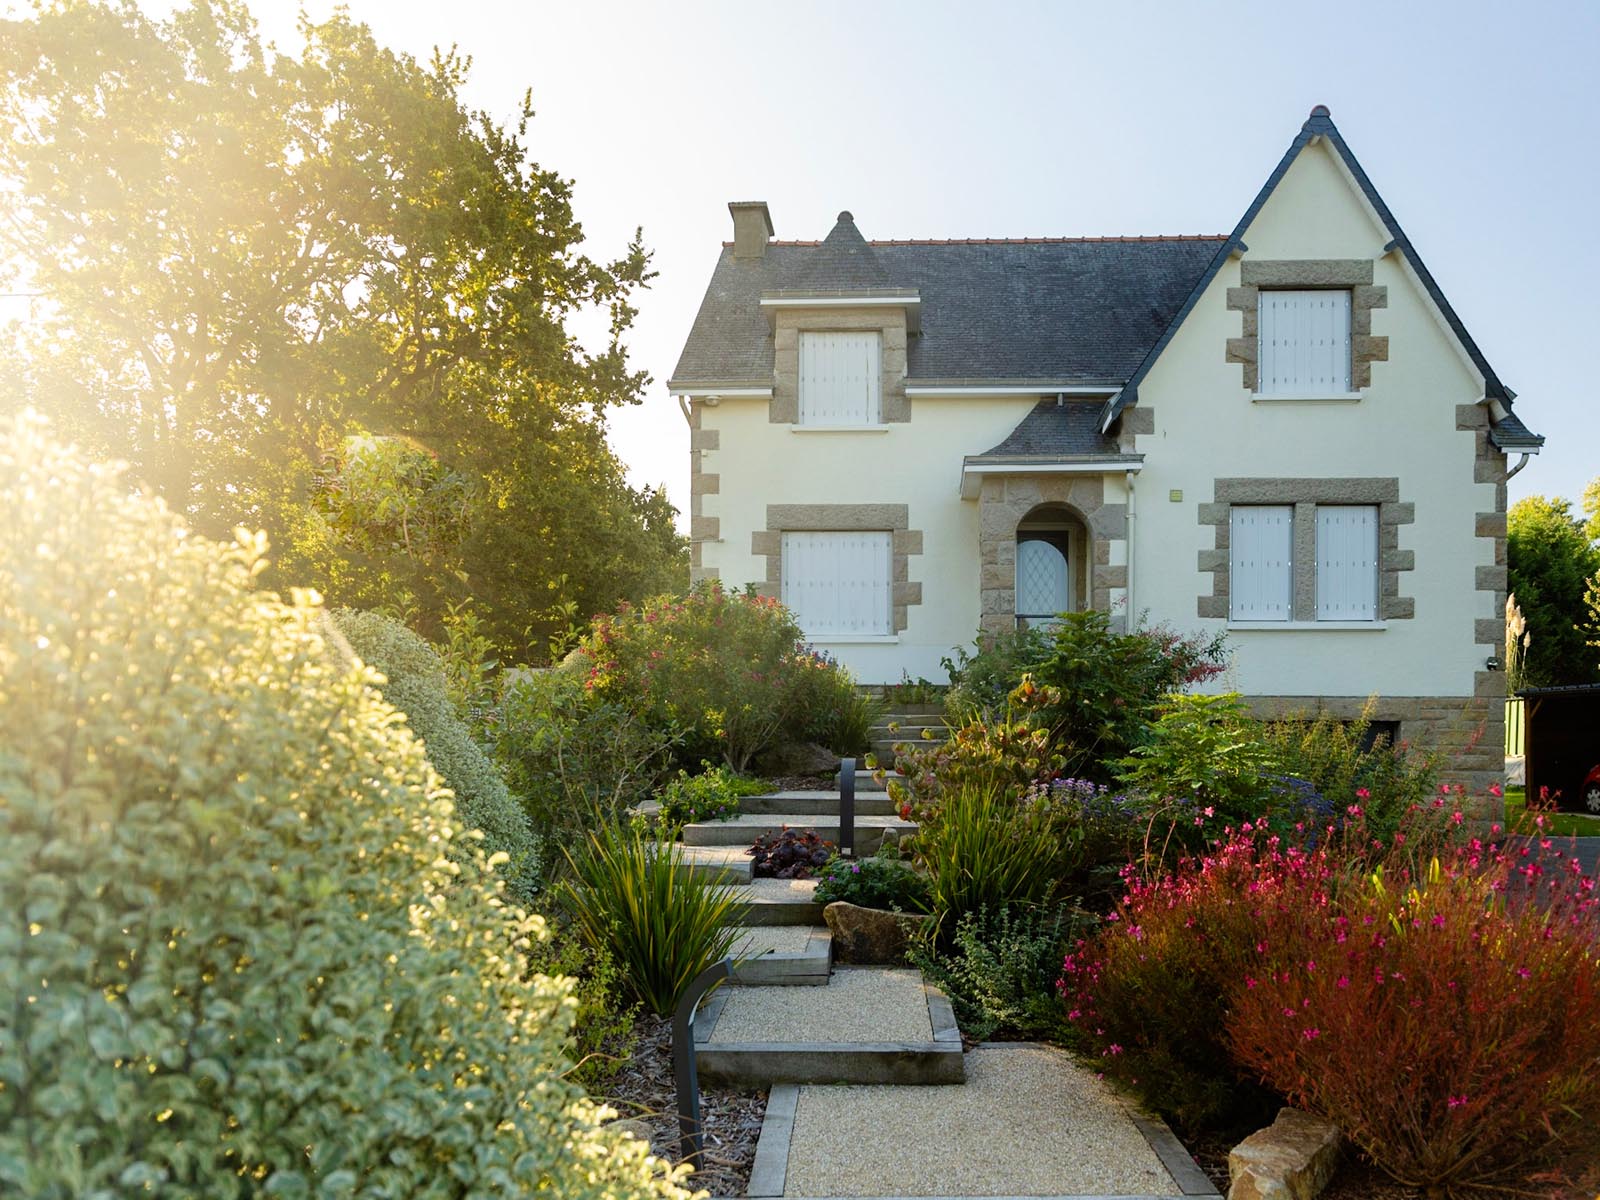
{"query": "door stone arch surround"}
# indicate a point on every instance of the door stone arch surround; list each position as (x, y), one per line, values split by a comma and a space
(1004, 502)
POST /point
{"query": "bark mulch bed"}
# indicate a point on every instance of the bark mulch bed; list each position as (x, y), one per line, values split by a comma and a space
(642, 1091)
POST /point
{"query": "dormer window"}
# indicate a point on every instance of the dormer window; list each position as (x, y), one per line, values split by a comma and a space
(841, 379)
(1305, 343)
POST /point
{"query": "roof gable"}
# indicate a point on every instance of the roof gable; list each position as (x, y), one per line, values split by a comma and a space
(1507, 432)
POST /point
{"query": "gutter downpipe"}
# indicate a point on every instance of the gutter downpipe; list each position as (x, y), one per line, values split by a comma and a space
(1521, 462)
(683, 407)
(1133, 612)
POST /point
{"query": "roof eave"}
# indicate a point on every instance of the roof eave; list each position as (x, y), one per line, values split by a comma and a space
(975, 466)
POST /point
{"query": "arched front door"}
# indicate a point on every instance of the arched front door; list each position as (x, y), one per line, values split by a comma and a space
(1044, 582)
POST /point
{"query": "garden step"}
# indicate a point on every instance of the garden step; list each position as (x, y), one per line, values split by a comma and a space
(880, 1025)
(826, 803)
(909, 730)
(720, 864)
(779, 902)
(744, 829)
(864, 781)
(783, 956)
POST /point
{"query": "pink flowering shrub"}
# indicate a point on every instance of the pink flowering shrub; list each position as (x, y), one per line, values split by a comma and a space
(1437, 997)
(729, 671)
(1448, 1022)
(1149, 996)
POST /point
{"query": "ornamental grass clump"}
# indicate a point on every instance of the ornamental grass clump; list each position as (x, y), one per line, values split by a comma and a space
(633, 898)
(1448, 1023)
(988, 848)
(235, 956)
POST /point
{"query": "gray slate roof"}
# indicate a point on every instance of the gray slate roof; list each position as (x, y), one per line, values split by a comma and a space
(844, 262)
(1079, 311)
(1057, 431)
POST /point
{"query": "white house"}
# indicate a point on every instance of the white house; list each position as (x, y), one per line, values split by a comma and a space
(1285, 432)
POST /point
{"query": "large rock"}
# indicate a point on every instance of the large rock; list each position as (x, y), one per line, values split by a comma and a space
(871, 935)
(1291, 1159)
(797, 758)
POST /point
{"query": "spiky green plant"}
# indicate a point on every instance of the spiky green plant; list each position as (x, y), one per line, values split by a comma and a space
(986, 848)
(632, 896)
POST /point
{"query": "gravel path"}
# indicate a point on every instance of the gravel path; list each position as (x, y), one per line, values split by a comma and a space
(1028, 1122)
(862, 1004)
(781, 939)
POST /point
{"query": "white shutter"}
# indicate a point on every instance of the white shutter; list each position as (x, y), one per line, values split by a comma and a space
(1261, 575)
(840, 378)
(1304, 343)
(837, 583)
(1347, 562)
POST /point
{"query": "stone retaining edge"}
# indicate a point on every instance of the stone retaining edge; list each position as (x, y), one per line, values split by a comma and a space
(770, 1170)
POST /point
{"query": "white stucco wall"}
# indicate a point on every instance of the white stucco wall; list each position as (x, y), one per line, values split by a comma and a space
(917, 464)
(1208, 427)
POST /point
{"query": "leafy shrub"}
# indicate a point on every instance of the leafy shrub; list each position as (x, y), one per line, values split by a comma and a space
(631, 897)
(1205, 750)
(414, 682)
(1002, 970)
(790, 854)
(1100, 688)
(1007, 753)
(1449, 1024)
(987, 849)
(874, 883)
(602, 1033)
(575, 760)
(729, 669)
(1386, 780)
(712, 795)
(252, 970)
(1112, 828)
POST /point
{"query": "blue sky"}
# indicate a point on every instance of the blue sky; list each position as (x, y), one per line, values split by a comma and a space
(1477, 123)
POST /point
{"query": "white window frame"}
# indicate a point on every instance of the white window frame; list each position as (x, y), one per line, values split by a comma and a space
(840, 379)
(1304, 347)
(838, 583)
(1268, 597)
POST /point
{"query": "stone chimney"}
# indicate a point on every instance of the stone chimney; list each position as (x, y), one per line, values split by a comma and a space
(752, 228)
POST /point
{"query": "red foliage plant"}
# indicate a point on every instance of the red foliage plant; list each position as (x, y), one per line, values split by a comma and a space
(1448, 1023)
(1439, 1000)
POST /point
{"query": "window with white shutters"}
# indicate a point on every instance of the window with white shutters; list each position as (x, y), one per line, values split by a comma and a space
(840, 378)
(1260, 551)
(1304, 343)
(1347, 562)
(837, 583)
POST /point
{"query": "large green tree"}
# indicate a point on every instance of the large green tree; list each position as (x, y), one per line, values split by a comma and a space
(315, 294)
(1551, 559)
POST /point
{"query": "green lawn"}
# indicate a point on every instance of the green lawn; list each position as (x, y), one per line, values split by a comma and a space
(1559, 824)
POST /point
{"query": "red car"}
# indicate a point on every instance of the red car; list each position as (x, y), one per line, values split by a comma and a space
(1591, 789)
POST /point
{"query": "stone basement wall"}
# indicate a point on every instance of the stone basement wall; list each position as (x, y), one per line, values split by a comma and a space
(1467, 732)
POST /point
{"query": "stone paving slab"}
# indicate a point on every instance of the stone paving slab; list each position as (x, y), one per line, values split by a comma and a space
(780, 902)
(1029, 1121)
(783, 956)
(861, 1004)
(769, 939)
(720, 864)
